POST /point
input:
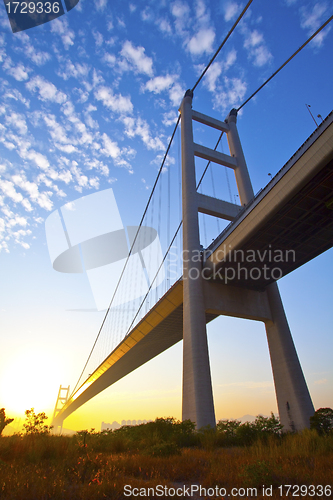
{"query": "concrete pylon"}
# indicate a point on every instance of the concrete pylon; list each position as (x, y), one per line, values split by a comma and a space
(292, 394)
(198, 404)
(243, 180)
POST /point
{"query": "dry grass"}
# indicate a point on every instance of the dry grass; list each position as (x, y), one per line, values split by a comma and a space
(54, 467)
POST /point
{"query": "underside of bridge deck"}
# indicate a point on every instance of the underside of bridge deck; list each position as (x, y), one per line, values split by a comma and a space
(294, 235)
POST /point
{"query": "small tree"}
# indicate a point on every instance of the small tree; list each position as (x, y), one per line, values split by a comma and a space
(322, 420)
(4, 420)
(34, 424)
(268, 425)
(228, 427)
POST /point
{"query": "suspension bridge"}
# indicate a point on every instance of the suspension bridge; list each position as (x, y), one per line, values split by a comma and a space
(266, 236)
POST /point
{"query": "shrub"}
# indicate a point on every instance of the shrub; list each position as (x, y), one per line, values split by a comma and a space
(257, 474)
(34, 424)
(162, 449)
(227, 432)
(4, 420)
(322, 421)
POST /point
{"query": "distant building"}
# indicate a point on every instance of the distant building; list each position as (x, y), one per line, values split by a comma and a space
(115, 425)
(109, 427)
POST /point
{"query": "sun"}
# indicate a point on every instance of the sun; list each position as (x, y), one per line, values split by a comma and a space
(29, 380)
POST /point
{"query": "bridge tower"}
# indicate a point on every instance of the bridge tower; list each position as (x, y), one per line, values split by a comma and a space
(61, 400)
(293, 398)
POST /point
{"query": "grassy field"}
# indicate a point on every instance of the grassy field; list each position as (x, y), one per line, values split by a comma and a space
(166, 456)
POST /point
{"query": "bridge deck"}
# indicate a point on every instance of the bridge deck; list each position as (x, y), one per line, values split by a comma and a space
(161, 328)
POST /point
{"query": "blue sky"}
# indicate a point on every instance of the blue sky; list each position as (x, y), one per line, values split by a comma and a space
(88, 102)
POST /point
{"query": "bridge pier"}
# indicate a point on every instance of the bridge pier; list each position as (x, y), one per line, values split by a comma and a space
(292, 394)
(198, 404)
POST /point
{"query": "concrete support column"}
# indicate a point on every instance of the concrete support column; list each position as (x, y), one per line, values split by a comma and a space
(292, 394)
(243, 180)
(198, 404)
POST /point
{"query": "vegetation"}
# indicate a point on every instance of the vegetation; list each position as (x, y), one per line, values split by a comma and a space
(322, 421)
(37, 465)
(34, 424)
(4, 420)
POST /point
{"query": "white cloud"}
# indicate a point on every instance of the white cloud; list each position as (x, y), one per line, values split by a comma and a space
(18, 121)
(60, 26)
(94, 182)
(75, 70)
(40, 160)
(97, 78)
(160, 83)
(201, 13)
(100, 5)
(170, 118)
(212, 76)
(2, 225)
(254, 38)
(255, 44)
(230, 60)
(311, 20)
(230, 11)
(110, 148)
(18, 71)
(98, 38)
(27, 205)
(17, 96)
(46, 90)
(164, 25)
(82, 180)
(42, 199)
(18, 221)
(146, 14)
(110, 59)
(31, 51)
(176, 94)
(8, 189)
(115, 102)
(57, 131)
(180, 10)
(202, 42)
(136, 56)
(261, 55)
(139, 127)
(230, 94)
